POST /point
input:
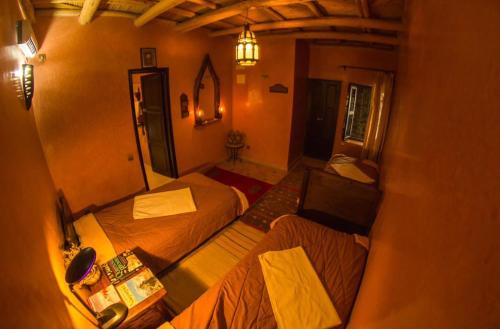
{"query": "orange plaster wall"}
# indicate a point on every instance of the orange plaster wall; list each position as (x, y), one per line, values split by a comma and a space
(31, 264)
(300, 99)
(265, 117)
(435, 261)
(325, 62)
(83, 106)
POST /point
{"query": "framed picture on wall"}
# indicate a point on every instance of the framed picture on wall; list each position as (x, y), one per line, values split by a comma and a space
(148, 57)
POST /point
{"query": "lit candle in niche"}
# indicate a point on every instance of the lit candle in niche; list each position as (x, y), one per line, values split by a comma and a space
(200, 113)
(199, 116)
(219, 113)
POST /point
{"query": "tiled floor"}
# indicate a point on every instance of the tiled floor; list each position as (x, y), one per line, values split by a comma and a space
(264, 173)
(155, 179)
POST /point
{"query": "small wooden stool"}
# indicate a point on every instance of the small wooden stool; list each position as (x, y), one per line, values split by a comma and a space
(234, 150)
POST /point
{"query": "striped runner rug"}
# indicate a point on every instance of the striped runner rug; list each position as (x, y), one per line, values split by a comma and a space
(200, 270)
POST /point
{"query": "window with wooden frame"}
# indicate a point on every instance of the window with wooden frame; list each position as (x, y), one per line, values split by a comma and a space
(357, 112)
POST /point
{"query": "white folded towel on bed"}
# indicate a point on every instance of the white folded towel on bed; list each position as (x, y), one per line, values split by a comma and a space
(164, 204)
(351, 171)
(297, 296)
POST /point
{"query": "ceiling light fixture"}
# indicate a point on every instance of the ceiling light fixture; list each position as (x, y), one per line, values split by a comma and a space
(247, 49)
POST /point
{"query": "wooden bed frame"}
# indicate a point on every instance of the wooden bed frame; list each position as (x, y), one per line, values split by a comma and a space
(338, 202)
(66, 219)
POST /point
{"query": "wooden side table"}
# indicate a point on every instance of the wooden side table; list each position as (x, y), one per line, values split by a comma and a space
(234, 150)
(150, 313)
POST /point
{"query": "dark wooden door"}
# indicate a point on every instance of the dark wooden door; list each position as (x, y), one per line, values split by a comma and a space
(155, 122)
(322, 121)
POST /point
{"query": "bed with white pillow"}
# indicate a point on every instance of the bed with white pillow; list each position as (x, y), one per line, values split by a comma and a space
(161, 240)
(246, 298)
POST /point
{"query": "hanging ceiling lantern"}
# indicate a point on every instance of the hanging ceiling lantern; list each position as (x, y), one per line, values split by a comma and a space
(247, 49)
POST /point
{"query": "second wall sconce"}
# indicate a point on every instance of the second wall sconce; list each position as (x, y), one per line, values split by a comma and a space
(28, 83)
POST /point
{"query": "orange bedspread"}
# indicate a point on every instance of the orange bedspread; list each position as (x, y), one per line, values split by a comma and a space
(241, 300)
(161, 241)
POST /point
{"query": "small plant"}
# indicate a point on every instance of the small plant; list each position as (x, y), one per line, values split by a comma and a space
(235, 137)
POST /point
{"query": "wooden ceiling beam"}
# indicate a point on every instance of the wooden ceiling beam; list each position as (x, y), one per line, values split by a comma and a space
(273, 14)
(319, 22)
(206, 3)
(313, 9)
(229, 11)
(104, 13)
(223, 24)
(213, 5)
(182, 12)
(364, 8)
(74, 12)
(27, 10)
(88, 10)
(156, 10)
(360, 37)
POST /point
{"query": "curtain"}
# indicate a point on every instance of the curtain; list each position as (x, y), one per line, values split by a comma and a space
(379, 117)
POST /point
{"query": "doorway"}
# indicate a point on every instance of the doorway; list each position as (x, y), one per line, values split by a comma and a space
(323, 105)
(150, 99)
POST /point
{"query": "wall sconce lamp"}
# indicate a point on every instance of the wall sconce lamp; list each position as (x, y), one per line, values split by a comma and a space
(26, 39)
(79, 268)
(28, 84)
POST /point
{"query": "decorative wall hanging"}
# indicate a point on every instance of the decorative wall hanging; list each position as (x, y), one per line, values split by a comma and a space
(278, 88)
(148, 57)
(184, 106)
(206, 101)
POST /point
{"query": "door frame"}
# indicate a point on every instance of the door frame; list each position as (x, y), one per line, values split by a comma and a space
(339, 84)
(167, 115)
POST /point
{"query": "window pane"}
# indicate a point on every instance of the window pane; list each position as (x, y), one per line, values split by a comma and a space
(357, 112)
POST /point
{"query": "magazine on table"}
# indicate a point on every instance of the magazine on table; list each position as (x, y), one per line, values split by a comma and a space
(139, 287)
(122, 267)
(104, 298)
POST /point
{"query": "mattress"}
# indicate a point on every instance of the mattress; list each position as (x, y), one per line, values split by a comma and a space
(240, 299)
(161, 241)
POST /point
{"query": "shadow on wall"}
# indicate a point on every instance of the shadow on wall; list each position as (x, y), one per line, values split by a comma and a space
(31, 262)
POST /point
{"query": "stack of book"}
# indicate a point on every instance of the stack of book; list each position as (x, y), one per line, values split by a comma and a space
(122, 267)
(131, 283)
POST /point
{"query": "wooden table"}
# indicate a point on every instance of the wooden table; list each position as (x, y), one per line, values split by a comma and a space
(150, 313)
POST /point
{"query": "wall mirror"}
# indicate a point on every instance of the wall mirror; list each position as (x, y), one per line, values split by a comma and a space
(206, 95)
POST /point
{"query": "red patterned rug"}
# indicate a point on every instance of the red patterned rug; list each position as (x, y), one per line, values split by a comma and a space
(252, 188)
